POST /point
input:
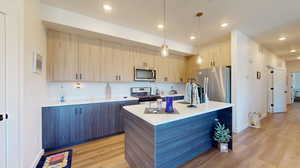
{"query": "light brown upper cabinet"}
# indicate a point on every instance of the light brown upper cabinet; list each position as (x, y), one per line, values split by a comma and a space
(218, 55)
(77, 58)
(144, 58)
(62, 57)
(170, 69)
(89, 58)
(123, 63)
(215, 55)
(162, 68)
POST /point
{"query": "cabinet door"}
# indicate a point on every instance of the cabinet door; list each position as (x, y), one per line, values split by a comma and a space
(126, 73)
(182, 70)
(224, 58)
(62, 56)
(59, 126)
(172, 75)
(89, 54)
(107, 70)
(116, 110)
(206, 59)
(162, 69)
(144, 58)
(89, 121)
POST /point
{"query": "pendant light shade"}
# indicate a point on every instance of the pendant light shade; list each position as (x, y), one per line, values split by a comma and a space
(164, 51)
(199, 57)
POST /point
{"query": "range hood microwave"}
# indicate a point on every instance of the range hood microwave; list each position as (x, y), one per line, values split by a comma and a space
(141, 74)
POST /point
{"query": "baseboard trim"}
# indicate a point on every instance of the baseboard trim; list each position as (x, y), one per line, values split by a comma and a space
(37, 159)
(241, 129)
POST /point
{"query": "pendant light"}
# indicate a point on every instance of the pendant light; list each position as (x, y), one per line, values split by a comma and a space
(199, 57)
(164, 48)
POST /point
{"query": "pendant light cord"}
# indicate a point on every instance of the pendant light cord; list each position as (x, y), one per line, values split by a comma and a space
(165, 25)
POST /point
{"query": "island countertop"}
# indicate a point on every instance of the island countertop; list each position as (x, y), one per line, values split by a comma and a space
(183, 111)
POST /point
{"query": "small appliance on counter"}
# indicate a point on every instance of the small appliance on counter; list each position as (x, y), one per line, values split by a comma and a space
(143, 94)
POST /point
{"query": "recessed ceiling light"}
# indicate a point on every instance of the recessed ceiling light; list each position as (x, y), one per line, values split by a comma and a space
(160, 26)
(293, 51)
(107, 7)
(282, 38)
(298, 58)
(192, 37)
(224, 25)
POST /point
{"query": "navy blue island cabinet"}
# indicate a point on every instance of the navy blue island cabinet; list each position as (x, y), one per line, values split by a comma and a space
(69, 125)
(171, 144)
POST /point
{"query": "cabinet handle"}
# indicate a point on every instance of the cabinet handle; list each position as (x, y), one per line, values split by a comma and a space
(76, 111)
(76, 76)
(119, 77)
(116, 77)
(80, 76)
(80, 111)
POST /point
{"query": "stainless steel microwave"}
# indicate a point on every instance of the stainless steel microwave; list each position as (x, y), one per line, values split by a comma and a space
(144, 74)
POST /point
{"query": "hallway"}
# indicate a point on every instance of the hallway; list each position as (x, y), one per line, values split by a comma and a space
(275, 145)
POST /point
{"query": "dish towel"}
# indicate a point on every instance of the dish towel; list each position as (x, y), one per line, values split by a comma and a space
(187, 97)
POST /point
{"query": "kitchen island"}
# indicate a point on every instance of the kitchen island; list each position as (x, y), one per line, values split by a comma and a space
(171, 140)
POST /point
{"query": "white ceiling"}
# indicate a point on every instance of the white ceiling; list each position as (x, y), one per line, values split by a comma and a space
(263, 20)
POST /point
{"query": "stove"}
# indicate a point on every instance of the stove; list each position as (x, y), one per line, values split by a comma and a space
(143, 93)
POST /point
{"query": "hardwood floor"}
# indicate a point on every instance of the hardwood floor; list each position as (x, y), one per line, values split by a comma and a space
(275, 145)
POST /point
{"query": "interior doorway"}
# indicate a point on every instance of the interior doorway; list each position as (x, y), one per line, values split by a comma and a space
(277, 90)
(294, 87)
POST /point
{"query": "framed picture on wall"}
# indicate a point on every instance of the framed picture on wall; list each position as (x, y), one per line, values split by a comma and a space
(258, 75)
(37, 66)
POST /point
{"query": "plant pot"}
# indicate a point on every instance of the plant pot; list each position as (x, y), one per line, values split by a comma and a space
(223, 147)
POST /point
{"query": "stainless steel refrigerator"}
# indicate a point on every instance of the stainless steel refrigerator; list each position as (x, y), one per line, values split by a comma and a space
(219, 83)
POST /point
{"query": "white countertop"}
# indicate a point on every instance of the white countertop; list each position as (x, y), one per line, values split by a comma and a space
(96, 100)
(174, 95)
(88, 101)
(184, 111)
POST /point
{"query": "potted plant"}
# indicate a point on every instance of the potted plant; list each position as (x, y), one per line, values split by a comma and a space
(222, 136)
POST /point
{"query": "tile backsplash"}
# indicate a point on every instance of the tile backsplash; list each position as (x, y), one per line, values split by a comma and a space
(98, 90)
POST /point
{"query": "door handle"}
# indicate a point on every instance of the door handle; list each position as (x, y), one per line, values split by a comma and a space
(3, 117)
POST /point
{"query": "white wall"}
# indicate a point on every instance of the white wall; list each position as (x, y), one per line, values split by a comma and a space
(248, 93)
(97, 90)
(34, 86)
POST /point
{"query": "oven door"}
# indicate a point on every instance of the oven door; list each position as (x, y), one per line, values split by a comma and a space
(144, 75)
